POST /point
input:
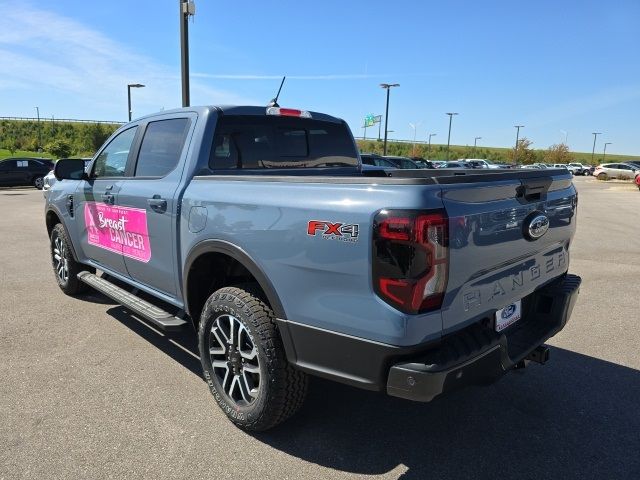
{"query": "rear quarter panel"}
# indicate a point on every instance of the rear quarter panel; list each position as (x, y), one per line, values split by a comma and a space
(321, 281)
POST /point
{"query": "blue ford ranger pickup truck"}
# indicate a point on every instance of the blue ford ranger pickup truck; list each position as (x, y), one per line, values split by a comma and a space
(259, 229)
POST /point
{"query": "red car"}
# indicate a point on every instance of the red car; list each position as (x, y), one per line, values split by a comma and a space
(637, 180)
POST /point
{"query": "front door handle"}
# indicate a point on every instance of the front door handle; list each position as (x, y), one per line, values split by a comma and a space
(107, 198)
(157, 204)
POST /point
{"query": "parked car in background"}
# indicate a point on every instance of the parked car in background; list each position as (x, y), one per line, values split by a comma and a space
(16, 172)
(561, 165)
(478, 163)
(404, 163)
(532, 167)
(376, 160)
(423, 162)
(50, 178)
(577, 168)
(621, 171)
(457, 164)
(438, 163)
(634, 163)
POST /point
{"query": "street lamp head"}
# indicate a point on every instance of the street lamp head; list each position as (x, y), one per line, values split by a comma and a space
(478, 138)
(135, 85)
(597, 133)
(452, 113)
(389, 85)
(518, 126)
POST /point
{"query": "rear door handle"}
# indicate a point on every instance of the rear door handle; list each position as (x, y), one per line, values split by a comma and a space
(157, 204)
(107, 198)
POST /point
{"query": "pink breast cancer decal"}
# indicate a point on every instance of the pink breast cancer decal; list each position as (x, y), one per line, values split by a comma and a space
(118, 229)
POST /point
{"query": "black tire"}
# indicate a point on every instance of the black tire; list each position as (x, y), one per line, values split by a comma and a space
(603, 176)
(38, 182)
(280, 390)
(62, 257)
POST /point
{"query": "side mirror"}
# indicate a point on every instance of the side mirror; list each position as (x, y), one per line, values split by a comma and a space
(69, 169)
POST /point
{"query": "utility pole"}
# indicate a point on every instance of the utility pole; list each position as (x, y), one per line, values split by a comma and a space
(604, 154)
(451, 114)
(387, 87)
(429, 149)
(39, 130)
(593, 150)
(515, 152)
(187, 8)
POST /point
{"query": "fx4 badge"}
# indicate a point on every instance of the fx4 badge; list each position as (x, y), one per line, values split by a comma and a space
(344, 232)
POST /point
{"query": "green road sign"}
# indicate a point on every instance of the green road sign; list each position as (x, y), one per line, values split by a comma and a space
(369, 120)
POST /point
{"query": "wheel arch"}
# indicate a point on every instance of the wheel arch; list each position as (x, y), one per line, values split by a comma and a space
(223, 249)
(52, 218)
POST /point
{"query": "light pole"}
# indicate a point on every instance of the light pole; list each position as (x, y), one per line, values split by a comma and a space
(39, 130)
(475, 142)
(187, 8)
(593, 150)
(429, 149)
(451, 114)
(387, 87)
(129, 87)
(604, 154)
(515, 152)
(566, 135)
(415, 129)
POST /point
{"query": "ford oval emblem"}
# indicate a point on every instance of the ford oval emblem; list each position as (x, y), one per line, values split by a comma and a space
(536, 226)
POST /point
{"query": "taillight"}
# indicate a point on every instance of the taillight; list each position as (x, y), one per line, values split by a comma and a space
(411, 258)
(288, 112)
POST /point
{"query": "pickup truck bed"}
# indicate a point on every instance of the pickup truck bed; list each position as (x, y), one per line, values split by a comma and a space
(409, 282)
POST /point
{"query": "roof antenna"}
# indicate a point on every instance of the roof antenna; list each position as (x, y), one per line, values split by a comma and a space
(274, 102)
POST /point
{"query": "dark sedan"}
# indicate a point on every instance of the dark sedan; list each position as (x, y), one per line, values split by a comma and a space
(24, 171)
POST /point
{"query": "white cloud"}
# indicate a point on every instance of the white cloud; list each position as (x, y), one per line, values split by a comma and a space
(45, 51)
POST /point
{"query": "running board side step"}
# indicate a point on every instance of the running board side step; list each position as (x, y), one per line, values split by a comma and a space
(159, 317)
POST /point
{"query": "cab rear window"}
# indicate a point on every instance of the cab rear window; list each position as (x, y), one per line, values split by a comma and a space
(255, 142)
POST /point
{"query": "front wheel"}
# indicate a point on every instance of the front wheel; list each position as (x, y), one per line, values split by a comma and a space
(603, 176)
(65, 267)
(38, 182)
(244, 363)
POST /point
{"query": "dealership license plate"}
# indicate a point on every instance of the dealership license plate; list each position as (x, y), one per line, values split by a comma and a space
(507, 316)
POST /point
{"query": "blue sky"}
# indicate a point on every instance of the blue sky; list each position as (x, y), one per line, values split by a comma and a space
(568, 66)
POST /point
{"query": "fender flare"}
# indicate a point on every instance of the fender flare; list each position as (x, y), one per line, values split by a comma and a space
(57, 213)
(242, 257)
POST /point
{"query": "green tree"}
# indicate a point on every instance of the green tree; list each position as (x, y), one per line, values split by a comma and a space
(558, 153)
(523, 154)
(59, 148)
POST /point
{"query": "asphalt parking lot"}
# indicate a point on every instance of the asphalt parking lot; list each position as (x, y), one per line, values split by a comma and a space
(89, 391)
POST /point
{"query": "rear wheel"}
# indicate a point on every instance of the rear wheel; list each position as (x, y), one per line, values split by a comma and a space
(38, 182)
(244, 362)
(65, 267)
(603, 176)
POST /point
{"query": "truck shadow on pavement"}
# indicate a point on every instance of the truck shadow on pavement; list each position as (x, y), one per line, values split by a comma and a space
(577, 417)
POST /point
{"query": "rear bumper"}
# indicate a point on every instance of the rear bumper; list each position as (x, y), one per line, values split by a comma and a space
(479, 355)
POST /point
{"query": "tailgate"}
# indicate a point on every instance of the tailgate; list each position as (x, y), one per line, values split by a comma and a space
(495, 257)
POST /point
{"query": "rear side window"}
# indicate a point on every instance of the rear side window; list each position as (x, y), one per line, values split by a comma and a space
(161, 147)
(256, 142)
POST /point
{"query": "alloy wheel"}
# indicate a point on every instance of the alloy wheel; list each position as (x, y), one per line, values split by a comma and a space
(61, 263)
(234, 358)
